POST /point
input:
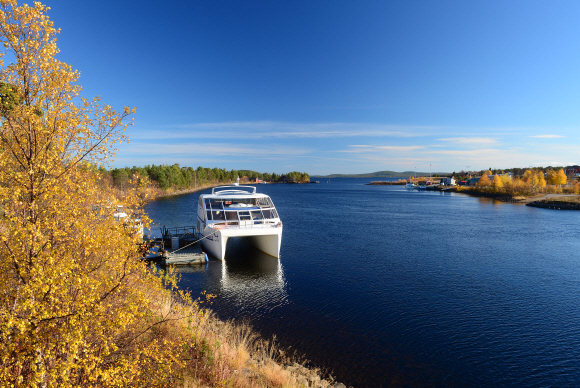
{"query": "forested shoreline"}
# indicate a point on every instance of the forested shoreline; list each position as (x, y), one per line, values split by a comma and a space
(174, 177)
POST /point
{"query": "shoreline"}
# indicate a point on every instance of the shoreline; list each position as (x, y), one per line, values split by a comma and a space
(162, 194)
(544, 201)
(181, 192)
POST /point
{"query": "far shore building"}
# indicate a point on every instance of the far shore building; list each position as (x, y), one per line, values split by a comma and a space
(473, 181)
(572, 171)
(447, 181)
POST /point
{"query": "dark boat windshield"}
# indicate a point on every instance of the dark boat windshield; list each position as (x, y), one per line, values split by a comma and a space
(233, 210)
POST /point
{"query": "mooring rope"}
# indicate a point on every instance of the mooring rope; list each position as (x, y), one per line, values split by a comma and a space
(191, 243)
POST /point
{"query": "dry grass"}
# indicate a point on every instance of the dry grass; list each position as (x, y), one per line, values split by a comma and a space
(209, 352)
(571, 199)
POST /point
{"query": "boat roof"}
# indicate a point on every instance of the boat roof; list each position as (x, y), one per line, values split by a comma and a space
(233, 191)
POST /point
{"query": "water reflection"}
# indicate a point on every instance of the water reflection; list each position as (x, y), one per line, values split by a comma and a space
(248, 280)
(252, 279)
(192, 269)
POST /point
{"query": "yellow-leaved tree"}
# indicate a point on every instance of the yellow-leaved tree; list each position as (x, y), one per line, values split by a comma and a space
(552, 177)
(73, 297)
(484, 181)
(497, 183)
(561, 177)
(541, 180)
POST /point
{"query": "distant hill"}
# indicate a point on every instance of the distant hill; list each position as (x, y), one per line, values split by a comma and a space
(382, 174)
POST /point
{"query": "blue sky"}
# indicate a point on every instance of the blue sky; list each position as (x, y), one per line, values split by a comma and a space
(334, 86)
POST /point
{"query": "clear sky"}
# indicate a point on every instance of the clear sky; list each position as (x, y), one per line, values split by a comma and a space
(334, 86)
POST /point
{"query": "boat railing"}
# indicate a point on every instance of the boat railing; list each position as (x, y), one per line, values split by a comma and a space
(185, 233)
(232, 190)
(241, 214)
(250, 224)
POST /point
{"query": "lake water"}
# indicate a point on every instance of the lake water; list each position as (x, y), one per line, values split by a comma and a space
(387, 287)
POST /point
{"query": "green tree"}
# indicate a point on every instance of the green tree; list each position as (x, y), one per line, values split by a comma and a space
(120, 177)
(201, 175)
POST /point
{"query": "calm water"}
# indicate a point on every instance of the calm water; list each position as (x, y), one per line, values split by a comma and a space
(388, 287)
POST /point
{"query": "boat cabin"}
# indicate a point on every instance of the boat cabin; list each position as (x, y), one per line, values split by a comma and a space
(236, 208)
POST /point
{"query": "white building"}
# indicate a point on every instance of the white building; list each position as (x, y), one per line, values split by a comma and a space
(448, 181)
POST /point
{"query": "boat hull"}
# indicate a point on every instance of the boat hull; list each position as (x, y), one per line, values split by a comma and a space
(267, 240)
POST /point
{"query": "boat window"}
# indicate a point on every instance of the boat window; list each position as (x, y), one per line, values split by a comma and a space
(245, 216)
(207, 203)
(256, 215)
(209, 214)
(232, 216)
(270, 213)
(245, 201)
(200, 202)
(218, 215)
(216, 203)
(264, 202)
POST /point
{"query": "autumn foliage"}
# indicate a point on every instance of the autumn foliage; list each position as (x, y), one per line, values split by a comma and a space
(76, 307)
(531, 182)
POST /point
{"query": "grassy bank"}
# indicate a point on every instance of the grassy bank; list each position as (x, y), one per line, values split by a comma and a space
(208, 352)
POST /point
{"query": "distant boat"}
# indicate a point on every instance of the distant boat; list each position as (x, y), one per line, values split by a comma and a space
(412, 185)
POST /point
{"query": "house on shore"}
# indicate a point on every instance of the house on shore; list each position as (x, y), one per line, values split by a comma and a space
(447, 181)
(572, 171)
(473, 181)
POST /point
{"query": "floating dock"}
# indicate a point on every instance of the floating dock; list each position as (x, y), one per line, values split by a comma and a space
(188, 255)
(177, 246)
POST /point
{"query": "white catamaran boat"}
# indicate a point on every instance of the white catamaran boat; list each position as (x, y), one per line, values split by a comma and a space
(238, 211)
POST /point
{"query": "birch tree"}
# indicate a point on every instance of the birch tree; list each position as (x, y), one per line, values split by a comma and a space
(71, 291)
(561, 177)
